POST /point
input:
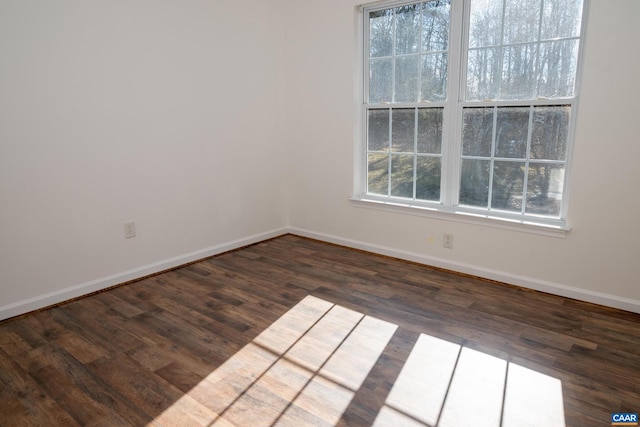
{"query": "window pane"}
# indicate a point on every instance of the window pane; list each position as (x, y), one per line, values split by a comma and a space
(561, 18)
(482, 74)
(380, 80)
(521, 21)
(403, 130)
(435, 25)
(557, 68)
(434, 77)
(402, 175)
(407, 78)
(486, 23)
(508, 183)
(477, 131)
(430, 130)
(378, 173)
(408, 29)
(474, 183)
(428, 178)
(518, 75)
(378, 130)
(512, 131)
(544, 189)
(549, 132)
(381, 33)
(526, 68)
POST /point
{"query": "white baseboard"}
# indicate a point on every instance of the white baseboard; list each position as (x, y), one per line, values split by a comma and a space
(600, 298)
(52, 298)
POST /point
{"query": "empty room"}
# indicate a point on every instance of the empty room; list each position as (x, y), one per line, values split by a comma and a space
(327, 213)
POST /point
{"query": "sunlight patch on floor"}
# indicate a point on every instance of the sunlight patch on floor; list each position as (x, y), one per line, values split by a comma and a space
(476, 391)
(532, 399)
(418, 394)
(445, 385)
(303, 369)
(306, 367)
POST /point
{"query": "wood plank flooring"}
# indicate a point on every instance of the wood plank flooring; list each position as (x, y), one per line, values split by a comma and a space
(296, 332)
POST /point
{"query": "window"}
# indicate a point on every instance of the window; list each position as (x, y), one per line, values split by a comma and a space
(469, 105)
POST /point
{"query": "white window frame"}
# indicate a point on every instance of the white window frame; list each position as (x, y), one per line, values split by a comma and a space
(448, 208)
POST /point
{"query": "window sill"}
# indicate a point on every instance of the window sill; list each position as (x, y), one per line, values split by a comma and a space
(487, 220)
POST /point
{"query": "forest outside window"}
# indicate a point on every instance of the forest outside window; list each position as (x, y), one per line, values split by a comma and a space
(469, 105)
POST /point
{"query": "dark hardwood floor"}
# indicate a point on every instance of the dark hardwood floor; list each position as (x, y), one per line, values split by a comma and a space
(296, 332)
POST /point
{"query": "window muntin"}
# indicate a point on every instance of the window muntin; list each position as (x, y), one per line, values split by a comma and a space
(497, 139)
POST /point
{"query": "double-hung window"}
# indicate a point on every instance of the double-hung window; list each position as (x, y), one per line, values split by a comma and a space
(469, 105)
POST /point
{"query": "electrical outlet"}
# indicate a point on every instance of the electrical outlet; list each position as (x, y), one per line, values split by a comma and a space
(447, 241)
(129, 230)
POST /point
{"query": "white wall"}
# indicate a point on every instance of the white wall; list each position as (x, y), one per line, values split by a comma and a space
(160, 111)
(597, 259)
(217, 123)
